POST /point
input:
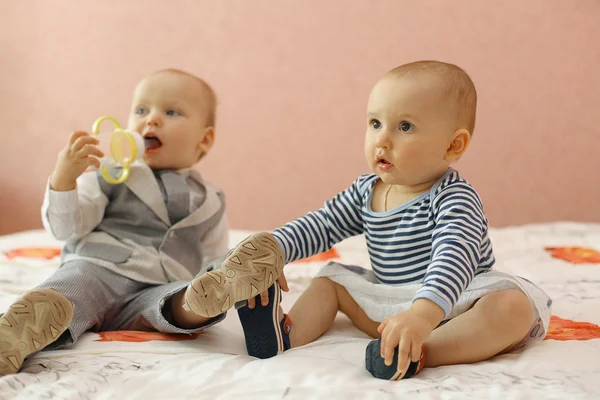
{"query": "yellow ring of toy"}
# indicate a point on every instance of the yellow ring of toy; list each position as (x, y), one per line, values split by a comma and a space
(115, 148)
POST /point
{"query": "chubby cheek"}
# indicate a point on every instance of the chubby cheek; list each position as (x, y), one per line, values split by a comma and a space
(135, 125)
(421, 159)
(370, 151)
(408, 157)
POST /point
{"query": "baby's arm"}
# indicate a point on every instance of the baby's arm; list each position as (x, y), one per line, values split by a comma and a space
(318, 231)
(76, 212)
(74, 203)
(457, 239)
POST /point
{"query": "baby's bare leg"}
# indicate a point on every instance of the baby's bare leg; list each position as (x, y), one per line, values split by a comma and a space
(493, 325)
(313, 313)
(181, 317)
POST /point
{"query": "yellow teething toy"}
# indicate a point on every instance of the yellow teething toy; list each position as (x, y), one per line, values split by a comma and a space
(118, 158)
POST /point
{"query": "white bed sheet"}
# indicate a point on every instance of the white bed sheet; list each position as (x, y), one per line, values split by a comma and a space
(215, 364)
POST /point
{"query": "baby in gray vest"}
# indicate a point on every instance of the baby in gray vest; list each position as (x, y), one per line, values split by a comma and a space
(136, 254)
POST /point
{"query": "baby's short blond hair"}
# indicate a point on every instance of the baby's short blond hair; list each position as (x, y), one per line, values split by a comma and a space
(459, 87)
(211, 96)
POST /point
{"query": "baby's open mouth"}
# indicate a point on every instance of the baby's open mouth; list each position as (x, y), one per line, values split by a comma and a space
(152, 142)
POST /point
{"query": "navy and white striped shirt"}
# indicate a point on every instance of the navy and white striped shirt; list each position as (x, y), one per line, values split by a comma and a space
(439, 238)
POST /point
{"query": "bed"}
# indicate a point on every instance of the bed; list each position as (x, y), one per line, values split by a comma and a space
(563, 258)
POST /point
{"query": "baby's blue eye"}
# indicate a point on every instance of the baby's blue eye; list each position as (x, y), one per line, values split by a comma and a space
(406, 126)
(375, 124)
(140, 110)
(172, 113)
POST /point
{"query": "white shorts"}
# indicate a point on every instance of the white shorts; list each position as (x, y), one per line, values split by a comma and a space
(380, 301)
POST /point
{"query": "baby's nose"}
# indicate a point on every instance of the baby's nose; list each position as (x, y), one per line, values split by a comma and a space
(383, 140)
(153, 120)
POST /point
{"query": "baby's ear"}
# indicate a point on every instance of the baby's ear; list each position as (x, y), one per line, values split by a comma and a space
(208, 138)
(458, 146)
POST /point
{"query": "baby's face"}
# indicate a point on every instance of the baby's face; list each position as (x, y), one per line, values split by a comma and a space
(170, 111)
(409, 129)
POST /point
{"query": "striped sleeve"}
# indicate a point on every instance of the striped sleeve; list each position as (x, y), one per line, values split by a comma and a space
(318, 231)
(456, 243)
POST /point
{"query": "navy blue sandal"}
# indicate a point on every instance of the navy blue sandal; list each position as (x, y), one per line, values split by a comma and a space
(266, 335)
(376, 364)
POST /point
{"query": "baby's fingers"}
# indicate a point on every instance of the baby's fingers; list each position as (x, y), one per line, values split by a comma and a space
(403, 353)
(94, 162)
(251, 303)
(382, 326)
(264, 298)
(283, 282)
(416, 351)
(389, 346)
(79, 139)
(76, 135)
(90, 150)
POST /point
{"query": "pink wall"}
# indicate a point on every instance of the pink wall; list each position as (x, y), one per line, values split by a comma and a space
(293, 79)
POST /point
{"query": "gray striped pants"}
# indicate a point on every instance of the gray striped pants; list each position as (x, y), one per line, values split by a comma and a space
(107, 301)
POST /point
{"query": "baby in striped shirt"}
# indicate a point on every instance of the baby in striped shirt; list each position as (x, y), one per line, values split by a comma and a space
(431, 296)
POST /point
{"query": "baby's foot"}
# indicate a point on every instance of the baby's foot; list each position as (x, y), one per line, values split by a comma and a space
(376, 364)
(34, 321)
(266, 330)
(247, 270)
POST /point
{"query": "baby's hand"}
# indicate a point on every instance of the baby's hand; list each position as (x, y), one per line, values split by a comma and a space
(264, 296)
(407, 330)
(74, 159)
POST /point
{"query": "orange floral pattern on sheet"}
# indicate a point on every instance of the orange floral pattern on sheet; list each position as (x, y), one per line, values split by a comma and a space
(139, 336)
(565, 329)
(325, 256)
(44, 253)
(575, 255)
(48, 253)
